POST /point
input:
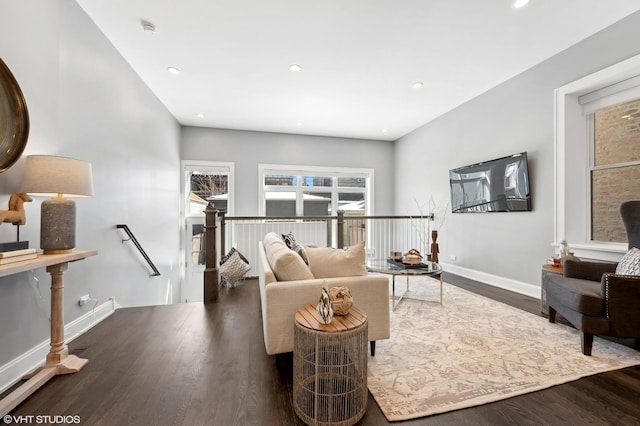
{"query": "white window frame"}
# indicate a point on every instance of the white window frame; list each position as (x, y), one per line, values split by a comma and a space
(296, 170)
(572, 212)
(590, 109)
(209, 166)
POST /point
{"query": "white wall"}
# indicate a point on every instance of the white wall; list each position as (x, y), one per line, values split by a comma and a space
(506, 249)
(248, 149)
(86, 102)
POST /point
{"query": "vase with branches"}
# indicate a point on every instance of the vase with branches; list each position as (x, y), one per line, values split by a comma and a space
(429, 226)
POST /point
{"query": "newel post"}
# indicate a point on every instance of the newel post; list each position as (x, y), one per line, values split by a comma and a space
(211, 275)
(340, 229)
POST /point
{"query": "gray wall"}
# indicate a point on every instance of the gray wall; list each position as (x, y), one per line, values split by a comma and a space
(248, 149)
(516, 116)
(86, 102)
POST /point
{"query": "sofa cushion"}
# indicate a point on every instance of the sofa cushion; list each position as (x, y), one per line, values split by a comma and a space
(286, 264)
(331, 263)
(630, 263)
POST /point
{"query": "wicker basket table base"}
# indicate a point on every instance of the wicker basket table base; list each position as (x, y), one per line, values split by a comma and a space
(330, 367)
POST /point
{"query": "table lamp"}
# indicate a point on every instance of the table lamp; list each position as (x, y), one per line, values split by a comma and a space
(60, 177)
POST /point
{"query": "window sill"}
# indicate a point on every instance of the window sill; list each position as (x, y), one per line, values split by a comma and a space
(600, 251)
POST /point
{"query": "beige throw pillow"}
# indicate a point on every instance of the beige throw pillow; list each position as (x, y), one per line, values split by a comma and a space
(330, 263)
(286, 264)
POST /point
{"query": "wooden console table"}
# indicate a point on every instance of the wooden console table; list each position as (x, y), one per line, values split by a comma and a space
(58, 360)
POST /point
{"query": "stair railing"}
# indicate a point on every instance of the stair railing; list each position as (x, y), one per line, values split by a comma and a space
(133, 239)
(384, 234)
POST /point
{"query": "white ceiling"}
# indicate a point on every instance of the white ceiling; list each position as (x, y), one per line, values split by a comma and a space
(359, 58)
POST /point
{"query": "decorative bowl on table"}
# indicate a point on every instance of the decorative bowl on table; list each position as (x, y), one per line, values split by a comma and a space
(412, 257)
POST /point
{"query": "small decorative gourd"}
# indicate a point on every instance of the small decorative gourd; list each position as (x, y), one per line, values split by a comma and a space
(324, 307)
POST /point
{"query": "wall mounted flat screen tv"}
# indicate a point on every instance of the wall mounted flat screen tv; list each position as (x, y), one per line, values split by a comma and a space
(500, 185)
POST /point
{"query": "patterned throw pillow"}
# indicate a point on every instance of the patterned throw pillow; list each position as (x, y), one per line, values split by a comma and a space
(290, 241)
(630, 263)
(233, 267)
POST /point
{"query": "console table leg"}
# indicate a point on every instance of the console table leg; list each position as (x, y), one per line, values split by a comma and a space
(58, 351)
(17, 396)
(58, 356)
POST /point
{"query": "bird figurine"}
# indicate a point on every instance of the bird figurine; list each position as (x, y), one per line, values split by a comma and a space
(324, 306)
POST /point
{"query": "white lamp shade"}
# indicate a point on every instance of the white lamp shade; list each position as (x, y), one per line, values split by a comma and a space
(51, 175)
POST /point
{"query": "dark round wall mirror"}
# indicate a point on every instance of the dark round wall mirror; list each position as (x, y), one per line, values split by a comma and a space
(14, 119)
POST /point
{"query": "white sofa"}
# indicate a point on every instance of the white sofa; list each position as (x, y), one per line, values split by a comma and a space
(280, 299)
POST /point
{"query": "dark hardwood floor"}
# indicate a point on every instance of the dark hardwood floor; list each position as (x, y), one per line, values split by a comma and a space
(196, 364)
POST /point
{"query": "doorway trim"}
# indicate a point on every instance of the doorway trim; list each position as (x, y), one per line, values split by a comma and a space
(199, 165)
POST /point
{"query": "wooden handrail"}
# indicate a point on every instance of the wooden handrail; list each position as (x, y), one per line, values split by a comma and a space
(277, 218)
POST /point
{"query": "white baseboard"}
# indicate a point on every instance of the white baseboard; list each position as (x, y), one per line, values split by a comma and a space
(494, 280)
(14, 370)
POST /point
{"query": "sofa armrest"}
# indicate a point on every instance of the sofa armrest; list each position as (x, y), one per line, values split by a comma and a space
(587, 270)
(265, 273)
(282, 299)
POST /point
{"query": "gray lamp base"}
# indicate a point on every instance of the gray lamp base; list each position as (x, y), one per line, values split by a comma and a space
(58, 226)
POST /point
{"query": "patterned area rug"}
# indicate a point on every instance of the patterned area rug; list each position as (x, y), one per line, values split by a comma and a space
(473, 350)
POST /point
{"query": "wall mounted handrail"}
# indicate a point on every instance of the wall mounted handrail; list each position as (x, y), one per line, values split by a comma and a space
(133, 239)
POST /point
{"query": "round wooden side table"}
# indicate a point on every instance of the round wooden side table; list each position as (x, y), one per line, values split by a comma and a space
(330, 367)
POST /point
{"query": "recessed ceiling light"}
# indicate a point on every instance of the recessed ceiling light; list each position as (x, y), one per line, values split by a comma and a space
(518, 4)
(295, 68)
(299, 123)
(201, 115)
(174, 70)
(417, 85)
(148, 27)
(384, 130)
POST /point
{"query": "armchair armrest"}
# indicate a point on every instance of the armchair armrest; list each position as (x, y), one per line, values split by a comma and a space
(587, 270)
(622, 304)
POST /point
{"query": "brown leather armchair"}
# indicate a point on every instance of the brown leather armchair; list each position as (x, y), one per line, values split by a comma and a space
(593, 298)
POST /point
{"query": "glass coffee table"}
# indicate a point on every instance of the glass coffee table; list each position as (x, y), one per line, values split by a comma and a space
(394, 269)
